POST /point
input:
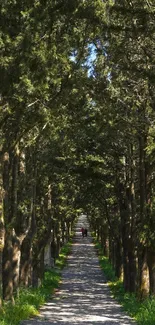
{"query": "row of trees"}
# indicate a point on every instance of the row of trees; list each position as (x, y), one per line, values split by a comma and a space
(126, 144)
(76, 127)
(38, 194)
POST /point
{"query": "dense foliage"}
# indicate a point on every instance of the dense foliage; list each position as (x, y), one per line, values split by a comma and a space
(77, 134)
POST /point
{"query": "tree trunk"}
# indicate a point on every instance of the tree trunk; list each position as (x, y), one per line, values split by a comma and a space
(57, 245)
(2, 231)
(53, 250)
(16, 245)
(2, 240)
(11, 253)
(143, 288)
(118, 259)
(26, 261)
(132, 266)
(124, 214)
(35, 277)
(26, 248)
(8, 247)
(126, 198)
(7, 267)
(68, 230)
(151, 265)
(62, 231)
(105, 240)
(126, 278)
(38, 270)
(110, 248)
(143, 274)
(98, 229)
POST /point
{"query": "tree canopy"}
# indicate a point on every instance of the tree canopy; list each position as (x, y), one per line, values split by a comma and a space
(77, 133)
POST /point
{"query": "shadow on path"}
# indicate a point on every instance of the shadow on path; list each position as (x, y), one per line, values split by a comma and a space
(84, 296)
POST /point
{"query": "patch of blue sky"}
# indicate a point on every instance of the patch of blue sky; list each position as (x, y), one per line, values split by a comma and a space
(90, 58)
(73, 56)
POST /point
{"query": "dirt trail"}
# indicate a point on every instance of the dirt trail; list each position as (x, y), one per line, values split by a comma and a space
(84, 297)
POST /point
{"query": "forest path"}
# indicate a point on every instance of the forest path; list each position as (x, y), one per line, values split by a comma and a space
(84, 297)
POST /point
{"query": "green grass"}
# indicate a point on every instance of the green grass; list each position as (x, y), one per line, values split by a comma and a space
(29, 301)
(142, 312)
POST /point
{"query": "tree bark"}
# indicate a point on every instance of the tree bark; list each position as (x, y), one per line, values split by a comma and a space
(151, 266)
(143, 274)
(16, 244)
(26, 248)
(2, 230)
(118, 259)
(143, 284)
(8, 247)
(26, 260)
(7, 267)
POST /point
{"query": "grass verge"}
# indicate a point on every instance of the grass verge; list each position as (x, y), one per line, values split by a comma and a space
(142, 312)
(29, 301)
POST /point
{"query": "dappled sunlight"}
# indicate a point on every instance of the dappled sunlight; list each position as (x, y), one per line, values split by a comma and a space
(83, 244)
(83, 296)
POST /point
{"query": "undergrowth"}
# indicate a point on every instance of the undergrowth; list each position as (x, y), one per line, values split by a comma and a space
(29, 301)
(143, 312)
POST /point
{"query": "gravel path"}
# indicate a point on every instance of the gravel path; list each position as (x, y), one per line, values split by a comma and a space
(84, 297)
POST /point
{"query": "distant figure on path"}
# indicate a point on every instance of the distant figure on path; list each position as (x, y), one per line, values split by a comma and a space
(82, 231)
